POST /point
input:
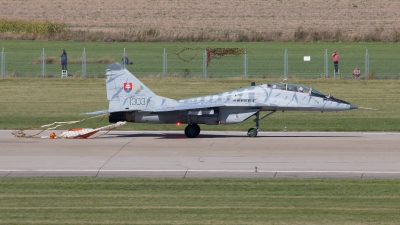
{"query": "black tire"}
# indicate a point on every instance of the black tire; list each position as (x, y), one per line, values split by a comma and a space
(191, 131)
(197, 129)
(252, 132)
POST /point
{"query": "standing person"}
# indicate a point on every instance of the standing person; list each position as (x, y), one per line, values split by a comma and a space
(64, 60)
(335, 57)
(125, 60)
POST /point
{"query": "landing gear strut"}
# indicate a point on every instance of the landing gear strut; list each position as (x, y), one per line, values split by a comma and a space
(252, 132)
(192, 130)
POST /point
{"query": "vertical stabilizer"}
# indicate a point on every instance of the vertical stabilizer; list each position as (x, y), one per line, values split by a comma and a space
(126, 93)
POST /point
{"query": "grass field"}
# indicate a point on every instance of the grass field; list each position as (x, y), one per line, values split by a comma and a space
(224, 19)
(264, 59)
(198, 201)
(33, 102)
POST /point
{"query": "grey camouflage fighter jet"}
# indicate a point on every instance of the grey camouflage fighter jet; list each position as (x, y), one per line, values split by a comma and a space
(130, 100)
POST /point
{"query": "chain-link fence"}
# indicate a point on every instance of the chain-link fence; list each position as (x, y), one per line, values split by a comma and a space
(196, 63)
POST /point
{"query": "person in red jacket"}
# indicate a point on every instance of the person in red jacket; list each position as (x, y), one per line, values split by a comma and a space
(335, 57)
(356, 72)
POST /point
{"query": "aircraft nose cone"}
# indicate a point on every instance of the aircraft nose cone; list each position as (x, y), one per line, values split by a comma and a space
(352, 106)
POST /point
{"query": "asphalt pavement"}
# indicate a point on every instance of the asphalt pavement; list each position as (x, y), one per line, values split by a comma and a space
(211, 154)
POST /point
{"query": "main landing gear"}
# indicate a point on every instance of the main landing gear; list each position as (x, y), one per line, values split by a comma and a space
(252, 132)
(192, 130)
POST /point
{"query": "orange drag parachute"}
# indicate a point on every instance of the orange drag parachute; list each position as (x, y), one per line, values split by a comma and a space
(71, 133)
(83, 132)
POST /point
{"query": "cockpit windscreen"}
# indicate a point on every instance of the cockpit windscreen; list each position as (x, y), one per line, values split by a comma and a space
(290, 87)
(304, 89)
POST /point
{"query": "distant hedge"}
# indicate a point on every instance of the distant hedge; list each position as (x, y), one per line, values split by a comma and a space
(32, 27)
(45, 30)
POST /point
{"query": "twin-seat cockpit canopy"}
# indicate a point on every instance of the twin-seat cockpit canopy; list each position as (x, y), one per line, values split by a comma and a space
(296, 88)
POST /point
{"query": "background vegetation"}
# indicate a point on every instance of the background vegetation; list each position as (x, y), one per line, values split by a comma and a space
(45, 30)
(209, 20)
(37, 28)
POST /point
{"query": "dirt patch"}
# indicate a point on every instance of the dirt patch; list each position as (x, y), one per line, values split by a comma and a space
(281, 18)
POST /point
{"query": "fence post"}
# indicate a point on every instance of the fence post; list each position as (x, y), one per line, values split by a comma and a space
(43, 64)
(83, 63)
(245, 63)
(123, 61)
(366, 62)
(165, 65)
(205, 63)
(326, 73)
(285, 64)
(3, 63)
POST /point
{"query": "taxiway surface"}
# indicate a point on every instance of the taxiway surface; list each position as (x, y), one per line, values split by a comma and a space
(211, 154)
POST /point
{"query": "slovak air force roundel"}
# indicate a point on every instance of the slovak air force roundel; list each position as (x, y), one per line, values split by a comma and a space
(128, 87)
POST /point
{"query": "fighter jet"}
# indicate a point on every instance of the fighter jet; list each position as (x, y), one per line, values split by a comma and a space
(132, 101)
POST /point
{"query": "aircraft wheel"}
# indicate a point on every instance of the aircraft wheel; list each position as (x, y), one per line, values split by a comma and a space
(252, 132)
(191, 131)
(197, 128)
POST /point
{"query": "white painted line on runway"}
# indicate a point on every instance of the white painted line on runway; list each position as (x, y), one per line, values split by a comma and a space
(380, 133)
(211, 171)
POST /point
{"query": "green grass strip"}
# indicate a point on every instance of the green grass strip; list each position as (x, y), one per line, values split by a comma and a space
(89, 200)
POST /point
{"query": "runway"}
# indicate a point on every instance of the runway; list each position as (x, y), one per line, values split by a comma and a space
(211, 154)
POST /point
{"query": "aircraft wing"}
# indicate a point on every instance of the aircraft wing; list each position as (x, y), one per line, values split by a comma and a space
(186, 106)
(182, 107)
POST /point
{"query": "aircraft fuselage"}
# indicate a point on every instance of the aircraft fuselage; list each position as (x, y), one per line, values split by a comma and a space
(238, 105)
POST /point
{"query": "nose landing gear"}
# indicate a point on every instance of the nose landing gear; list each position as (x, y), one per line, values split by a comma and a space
(252, 132)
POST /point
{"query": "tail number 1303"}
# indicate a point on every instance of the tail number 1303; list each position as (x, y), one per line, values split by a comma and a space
(138, 101)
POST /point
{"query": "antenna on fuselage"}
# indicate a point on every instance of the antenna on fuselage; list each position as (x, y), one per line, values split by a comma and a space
(285, 85)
